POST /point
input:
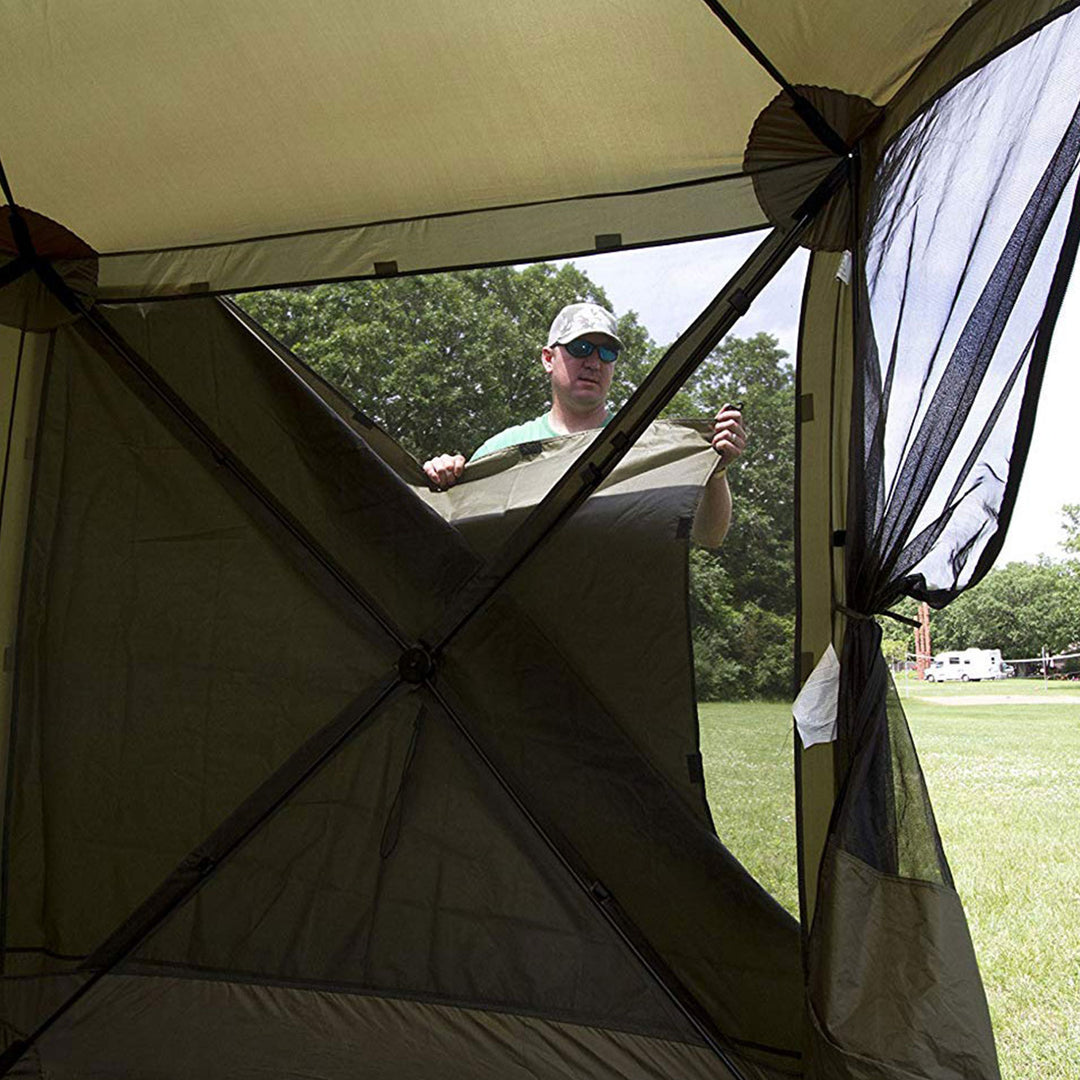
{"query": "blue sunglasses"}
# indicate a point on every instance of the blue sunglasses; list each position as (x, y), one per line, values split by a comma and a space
(579, 348)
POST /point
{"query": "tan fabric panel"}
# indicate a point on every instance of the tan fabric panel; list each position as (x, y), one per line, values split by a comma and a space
(861, 48)
(181, 1028)
(268, 117)
(585, 589)
(880, 989)
(567, 683)
(988, 26)
(824, 389)
(481, 237)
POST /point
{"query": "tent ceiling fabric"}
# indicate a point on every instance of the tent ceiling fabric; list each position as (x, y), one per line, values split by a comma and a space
(405, 111)
(261, 118)
(781, 137)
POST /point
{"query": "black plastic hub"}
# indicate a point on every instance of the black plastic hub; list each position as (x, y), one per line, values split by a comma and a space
(415, 664)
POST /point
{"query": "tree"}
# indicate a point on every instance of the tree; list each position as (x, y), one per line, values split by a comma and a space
(743, 594)
(441, 361)
(1018, 608)
(1021, 607)
(1071, 513)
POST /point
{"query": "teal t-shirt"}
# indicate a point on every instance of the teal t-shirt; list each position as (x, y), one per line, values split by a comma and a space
(530, 431)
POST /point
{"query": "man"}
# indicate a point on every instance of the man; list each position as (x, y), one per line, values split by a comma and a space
(579, 358)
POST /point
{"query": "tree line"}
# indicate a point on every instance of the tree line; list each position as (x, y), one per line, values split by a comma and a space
(443, 361)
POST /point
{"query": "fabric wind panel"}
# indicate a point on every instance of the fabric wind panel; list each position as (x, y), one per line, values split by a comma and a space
(316, 466)
(169, 659)
(178, 1028)
(969, 209)
(712, 205)
(402, 869)
(609, 587)
(982, 30)
(524, 682)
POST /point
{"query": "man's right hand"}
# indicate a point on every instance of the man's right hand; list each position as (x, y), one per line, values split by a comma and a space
(445, 470)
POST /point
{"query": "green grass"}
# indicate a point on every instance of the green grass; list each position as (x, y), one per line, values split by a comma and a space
(1005, 782)
(747, 751)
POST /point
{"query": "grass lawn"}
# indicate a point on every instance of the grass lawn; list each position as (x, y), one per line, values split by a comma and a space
(1004, 777)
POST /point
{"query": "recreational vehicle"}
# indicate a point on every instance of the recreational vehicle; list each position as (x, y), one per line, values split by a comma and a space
(968, 665)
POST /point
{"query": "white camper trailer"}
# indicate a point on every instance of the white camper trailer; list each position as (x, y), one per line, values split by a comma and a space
(968, 665)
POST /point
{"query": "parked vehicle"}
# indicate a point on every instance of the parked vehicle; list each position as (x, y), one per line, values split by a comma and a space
(968, 665)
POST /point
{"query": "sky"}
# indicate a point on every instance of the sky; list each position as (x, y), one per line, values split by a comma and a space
(668, 287)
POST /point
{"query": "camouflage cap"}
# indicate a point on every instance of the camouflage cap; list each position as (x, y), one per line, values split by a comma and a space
(576, 320)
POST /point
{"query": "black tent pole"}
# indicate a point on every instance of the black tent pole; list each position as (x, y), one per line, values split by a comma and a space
(809, 115)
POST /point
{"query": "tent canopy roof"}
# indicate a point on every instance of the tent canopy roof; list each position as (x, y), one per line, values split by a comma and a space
(262, 118)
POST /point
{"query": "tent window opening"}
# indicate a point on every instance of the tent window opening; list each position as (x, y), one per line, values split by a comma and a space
(441, 361)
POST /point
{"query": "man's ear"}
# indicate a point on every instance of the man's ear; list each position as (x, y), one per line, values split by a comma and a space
(547, 358)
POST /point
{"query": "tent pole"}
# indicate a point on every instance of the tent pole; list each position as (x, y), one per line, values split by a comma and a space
(810, 116)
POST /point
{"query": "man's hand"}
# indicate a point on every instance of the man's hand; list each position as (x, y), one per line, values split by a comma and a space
(713, 517)
(729, 436)
(445, 470)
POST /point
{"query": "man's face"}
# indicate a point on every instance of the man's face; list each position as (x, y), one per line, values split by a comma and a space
(579, 385)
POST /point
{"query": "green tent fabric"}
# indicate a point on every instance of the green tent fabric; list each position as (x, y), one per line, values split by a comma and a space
(402, 868)
(218, 582)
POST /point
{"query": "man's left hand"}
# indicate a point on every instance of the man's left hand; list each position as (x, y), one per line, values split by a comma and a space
(729, 435)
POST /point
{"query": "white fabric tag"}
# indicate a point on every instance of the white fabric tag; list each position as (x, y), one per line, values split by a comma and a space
(815, 707)
(843, 271)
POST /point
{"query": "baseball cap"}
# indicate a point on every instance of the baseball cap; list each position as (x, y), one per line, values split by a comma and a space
(576, 320)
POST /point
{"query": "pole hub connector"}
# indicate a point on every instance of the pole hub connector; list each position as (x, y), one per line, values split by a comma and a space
(416, 664)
